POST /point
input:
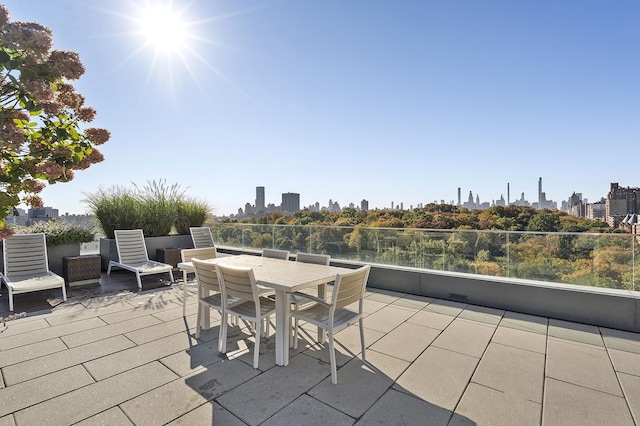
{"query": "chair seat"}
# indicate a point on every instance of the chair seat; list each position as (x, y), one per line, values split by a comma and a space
(248, 308)
(27, 283)
(148, 266)
(319, 316)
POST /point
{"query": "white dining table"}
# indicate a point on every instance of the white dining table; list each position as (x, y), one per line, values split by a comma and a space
(285, 277)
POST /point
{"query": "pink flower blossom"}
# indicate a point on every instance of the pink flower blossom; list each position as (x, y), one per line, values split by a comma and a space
(66, 63)
(27, 36)
(86, 114)
(97, 136)
(51, 170)
(40, 90)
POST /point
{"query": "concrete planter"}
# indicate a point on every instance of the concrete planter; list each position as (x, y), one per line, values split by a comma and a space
(54, 255)
(108, 250)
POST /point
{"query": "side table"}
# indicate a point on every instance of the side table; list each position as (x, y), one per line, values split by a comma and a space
(78, 270)
(171, 256)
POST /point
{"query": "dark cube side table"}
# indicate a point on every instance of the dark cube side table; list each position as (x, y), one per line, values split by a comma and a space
(171, 256)
(78, 270)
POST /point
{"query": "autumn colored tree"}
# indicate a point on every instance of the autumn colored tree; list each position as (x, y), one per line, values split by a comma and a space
(41, 138)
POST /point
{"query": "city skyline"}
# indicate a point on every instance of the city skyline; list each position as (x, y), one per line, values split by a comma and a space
(396, 101)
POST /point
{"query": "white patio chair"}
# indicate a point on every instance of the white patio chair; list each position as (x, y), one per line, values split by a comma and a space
(297, 301)
(201, 237)
(334, 316)
(187, 255)
(275, 254)
(26, 266)
(133, 256)
(240, 283)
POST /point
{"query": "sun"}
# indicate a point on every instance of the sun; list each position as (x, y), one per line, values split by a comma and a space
(164, 28)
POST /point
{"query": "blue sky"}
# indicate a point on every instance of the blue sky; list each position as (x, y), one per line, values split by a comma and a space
(391, 101)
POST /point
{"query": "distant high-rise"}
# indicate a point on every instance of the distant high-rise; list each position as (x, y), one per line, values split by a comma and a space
(290, 202)
(621, 202)
(364, 205)
(259, 198)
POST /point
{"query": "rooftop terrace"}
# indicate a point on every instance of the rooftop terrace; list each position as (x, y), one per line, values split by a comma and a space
(115, 355)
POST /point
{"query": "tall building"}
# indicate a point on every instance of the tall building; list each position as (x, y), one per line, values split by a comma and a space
(621, 202)
(41, 214)
(260, 198)
(364, 205)
(290, 202)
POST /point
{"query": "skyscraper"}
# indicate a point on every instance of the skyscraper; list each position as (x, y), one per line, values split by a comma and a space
(290, 202)
(259, 198)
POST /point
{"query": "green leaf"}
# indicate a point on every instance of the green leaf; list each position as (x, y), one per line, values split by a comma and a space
(4, 56)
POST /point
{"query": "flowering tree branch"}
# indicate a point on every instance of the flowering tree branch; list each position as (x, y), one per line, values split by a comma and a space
(41, 138)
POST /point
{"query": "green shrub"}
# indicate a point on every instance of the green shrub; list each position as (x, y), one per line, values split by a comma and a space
(156, 208)
(191, 213)
(60, 232)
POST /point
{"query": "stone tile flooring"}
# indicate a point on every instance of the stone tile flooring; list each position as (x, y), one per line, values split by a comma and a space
(114, 355)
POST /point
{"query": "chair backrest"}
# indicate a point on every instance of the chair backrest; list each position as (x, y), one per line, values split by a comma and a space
(131, 246)
(206, 274)
(318, 259)
(25, 254)
(198, 253)
(239, 282)
(275, 254)
(201, 237)
(349, 287)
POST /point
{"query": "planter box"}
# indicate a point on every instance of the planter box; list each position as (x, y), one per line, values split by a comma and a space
(80, 270)
(108, 250)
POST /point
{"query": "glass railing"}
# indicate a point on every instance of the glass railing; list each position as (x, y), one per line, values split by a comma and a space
(598, 260)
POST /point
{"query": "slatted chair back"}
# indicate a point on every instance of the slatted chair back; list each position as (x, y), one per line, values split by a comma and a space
(131, 246)
(275, 254)
(201, 237)
(350, 287)
(238, 282)
(25, 254)
(206, 275)
(318, 259)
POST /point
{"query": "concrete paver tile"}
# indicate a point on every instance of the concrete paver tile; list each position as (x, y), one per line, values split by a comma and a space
(23, 395)
(162, 329)
(413, 302)
(621, 340)
(575, 332)
(7, 421)
(209, 413)
(568, 404)
(176, 398)
(516, 338)
(118, 362)
(109, 330)
(631, 388)
(95, 398)
(625, 362)
(438, 376)
(387, 318)
(485, 406)
(482, 314)
(259, 398)
(525, 322)
(60, 360)
(399, 408)
(112, 417)
(309, 412)
(406, 342)
(27, 352)
(431, 319)
(366, 383)
(516, 372)
(30, 337)
(583, 365)
(466, 337)
(446, 307)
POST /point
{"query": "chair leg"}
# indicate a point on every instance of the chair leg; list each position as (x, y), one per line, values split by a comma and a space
(222, 336)
(256, 349)
(199, 320)
(362, 339)
(184, 294)
(64, 292)
(139, 280)
(332, 357)
(10, 298)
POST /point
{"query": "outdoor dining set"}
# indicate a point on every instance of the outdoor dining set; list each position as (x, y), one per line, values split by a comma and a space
(248, 288)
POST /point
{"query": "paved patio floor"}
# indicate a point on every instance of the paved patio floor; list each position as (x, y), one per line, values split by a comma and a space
(111, 355)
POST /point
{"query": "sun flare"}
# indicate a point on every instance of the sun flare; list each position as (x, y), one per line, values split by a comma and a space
(163, 28)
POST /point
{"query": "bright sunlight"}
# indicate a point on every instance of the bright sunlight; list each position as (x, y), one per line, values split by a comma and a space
(163, 28)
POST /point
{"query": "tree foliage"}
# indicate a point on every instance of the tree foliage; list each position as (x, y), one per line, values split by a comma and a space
(42, 139)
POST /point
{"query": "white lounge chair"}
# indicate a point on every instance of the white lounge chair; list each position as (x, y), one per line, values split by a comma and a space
(201, 237)
(187, 255)
(26, 266)
(334, 316)
(133, 256)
